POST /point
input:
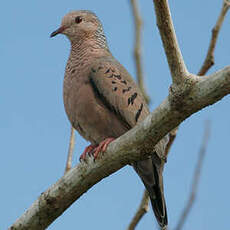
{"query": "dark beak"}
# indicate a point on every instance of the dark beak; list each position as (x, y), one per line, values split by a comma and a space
(58, 31)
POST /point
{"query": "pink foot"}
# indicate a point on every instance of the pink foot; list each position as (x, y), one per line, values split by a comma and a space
(102, 146)
(88, 150)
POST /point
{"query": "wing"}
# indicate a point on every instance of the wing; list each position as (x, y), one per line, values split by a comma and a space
(118, 91)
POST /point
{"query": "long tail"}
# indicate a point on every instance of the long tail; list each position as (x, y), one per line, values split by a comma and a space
(151, 175)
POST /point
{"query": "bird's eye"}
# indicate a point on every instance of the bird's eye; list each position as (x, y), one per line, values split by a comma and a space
(78, 19)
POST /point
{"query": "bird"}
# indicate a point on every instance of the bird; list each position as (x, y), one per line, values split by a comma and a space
(102, 101)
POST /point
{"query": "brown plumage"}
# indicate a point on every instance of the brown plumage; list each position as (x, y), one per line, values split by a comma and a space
(102, 100)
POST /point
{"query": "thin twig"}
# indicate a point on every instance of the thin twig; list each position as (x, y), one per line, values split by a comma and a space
(142, 209)
(70, 151)
(137, 48)
(209, 60)
(172, 136)
(196, 178)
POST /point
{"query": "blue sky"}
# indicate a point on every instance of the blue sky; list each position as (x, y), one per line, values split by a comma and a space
(34, 130)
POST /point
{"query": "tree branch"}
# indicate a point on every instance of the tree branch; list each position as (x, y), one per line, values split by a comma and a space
(209, 60)
(134, 145)
(196, 178)
(176, 63)
(70, 151)
(137, 48)
(142, 209)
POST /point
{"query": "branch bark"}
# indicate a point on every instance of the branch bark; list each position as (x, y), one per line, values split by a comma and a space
(132, 146)
(196, 178)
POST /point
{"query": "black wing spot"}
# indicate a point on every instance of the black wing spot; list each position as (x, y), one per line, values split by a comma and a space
(126, 90)
(93, 70)
(110, 76)
(113, 82)
(115, 89)
(124, 82)
(132, 98)
(117, 76)
(129, 100)
(107, 71)
(139, 112)
(100, 67)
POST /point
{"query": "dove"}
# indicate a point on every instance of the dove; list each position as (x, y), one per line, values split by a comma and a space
(102, 101)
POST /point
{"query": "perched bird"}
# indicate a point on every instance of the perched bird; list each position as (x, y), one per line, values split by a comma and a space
(103, 102)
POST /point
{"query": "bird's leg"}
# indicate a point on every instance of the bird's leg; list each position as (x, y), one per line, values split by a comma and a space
(88, 150)
(102, 146)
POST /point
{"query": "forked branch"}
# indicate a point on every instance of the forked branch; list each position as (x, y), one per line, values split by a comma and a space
(205, 67)
(209, 60)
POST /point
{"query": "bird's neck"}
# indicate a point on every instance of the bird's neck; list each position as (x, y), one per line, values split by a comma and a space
(82, 53)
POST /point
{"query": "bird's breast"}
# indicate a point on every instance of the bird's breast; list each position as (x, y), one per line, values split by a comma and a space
(87, 113)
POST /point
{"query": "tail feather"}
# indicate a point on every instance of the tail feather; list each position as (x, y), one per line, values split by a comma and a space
(160, 211)
(151, 175)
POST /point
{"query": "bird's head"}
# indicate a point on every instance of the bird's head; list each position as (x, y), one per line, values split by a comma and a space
(81, 25)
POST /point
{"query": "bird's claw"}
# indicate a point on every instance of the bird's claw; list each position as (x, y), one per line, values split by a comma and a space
(87, 152)
(94, 151)
(102, 147)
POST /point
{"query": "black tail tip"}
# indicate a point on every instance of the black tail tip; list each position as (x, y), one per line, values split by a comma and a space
(165, 227)
(160, 212)
(163, 223)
